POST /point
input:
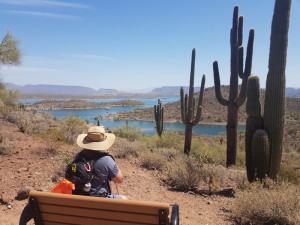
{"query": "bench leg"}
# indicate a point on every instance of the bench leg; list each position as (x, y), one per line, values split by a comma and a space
(26, 216)
(175, 215)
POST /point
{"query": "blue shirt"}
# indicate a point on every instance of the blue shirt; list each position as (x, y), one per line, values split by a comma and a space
(104, 170)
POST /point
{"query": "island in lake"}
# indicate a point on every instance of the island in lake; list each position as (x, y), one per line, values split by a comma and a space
(80, 104)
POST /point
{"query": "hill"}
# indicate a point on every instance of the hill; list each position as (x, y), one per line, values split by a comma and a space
(212, 112)
(44, 89)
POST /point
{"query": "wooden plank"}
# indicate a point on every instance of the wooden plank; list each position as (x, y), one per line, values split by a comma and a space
(98, 214)
(100, 203)
(62, 219)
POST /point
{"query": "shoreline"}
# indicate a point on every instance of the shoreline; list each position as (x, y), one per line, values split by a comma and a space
(175, 121)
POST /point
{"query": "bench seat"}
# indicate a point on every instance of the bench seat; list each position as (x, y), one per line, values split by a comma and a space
(60, 209)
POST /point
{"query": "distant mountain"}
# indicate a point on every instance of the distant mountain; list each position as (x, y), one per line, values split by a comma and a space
(173, 89)
(107, 91)
(44, 89)
(292, 92)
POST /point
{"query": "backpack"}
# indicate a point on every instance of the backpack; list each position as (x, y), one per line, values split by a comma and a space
(80, 172)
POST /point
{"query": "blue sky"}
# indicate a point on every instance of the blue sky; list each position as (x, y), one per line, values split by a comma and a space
(136, 45)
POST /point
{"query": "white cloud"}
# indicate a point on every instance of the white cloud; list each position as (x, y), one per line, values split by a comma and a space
(42, 14)
(44, 3)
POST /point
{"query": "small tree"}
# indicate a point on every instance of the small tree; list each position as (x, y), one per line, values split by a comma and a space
(9, 51)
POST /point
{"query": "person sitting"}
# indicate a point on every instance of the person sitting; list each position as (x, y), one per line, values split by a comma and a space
(96, 144)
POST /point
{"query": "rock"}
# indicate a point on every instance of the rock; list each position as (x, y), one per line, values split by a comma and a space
(23, 193)
(6, 198)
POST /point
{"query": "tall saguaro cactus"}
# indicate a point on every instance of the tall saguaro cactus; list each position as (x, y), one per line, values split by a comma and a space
(236, 67)
(188, 116)
(159, 117)
(264, 139)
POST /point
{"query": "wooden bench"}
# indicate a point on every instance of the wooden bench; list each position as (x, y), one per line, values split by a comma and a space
(60, 209)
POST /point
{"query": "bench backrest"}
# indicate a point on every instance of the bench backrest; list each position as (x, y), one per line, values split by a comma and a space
(75, 209)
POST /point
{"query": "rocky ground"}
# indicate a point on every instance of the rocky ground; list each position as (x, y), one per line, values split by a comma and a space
(27, 165)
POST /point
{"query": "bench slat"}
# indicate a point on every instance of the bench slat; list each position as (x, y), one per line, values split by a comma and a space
(63, 219)
(94, 213)
(100, 203)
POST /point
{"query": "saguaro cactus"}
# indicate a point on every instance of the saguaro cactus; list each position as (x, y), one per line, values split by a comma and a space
(188, 116)
(159, 117)
(264, 139)
(236, 67)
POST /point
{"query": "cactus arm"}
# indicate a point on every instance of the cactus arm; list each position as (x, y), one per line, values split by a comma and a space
(218, 91)
(248, 66)
(242, 95)
(182, 106)
(253, 122)
(194, 104)
(190, 111)
(155, 113)
(274, 108)
(198, 116)
(249, 57)
(200, 100)
(260, 154)
(234, 29)
(240, 31)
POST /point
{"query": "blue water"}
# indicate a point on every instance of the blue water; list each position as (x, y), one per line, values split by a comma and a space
(147, 127)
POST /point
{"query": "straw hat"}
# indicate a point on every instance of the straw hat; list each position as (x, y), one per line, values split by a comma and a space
(96, 139)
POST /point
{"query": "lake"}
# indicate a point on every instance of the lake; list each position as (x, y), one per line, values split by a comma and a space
(147, 127)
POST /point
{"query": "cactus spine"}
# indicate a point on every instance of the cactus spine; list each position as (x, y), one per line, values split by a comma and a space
(235, 100)
(268, 142)
(159, 117)
(188, 116)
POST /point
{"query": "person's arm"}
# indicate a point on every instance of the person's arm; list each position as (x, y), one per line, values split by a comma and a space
(119, 178)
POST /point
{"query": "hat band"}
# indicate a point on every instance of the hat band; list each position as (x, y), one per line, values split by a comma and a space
(96, 137)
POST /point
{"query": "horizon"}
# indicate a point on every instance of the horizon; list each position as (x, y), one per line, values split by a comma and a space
(136, 45)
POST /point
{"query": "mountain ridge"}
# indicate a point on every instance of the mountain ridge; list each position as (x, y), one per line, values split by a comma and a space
(48, 89)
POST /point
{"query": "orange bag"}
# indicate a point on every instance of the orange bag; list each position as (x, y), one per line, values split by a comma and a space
(64, 187)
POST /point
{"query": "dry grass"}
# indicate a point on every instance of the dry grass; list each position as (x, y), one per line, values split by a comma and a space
(268, 203)
(6, 145)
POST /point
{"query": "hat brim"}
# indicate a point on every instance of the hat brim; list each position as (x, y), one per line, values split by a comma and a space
(83, 142)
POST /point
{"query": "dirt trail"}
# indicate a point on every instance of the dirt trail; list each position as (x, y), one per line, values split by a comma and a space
(30, 168)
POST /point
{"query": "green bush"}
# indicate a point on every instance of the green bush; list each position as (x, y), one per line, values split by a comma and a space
(124, 149)
(152, 160)
(74, 125)
(53, 139)
(131, 133)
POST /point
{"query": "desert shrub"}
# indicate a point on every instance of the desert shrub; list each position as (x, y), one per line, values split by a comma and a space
(131, 133)
(53, 139)
(8, 100)
(169, 153)
(184, 173)
(124, 149)
(169, 139)
(289, 175)
(73, 126)
(6, 146)
(22, 125)
(217, 177)
(209, 154)
(268, 202)
(152, 160)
